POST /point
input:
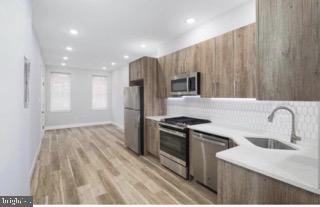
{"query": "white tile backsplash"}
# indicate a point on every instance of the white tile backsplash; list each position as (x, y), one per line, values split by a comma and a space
(251, 115)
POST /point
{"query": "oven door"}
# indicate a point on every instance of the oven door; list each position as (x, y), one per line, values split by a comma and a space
(173, 145)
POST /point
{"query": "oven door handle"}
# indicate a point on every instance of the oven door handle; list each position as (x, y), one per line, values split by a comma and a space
(172, 132)
(171, 125)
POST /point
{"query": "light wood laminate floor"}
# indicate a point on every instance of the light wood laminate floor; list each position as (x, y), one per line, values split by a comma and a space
(91, 165)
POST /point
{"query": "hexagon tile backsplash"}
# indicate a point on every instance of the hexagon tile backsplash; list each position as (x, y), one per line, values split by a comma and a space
(251, 115)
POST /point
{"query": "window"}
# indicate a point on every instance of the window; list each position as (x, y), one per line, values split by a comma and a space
(99, 92)
(60, 92)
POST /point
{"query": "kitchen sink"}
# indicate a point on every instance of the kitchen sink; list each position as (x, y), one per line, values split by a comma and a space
(269, 143)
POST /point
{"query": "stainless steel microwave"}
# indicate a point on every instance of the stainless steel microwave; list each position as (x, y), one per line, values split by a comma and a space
(186, 84)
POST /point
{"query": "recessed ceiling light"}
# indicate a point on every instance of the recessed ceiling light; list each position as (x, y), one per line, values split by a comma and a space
(73, 32)
(143, 45)
(126, 57)
(190, 21)
(63, 64)
(65, 58)
(104, 68)
(113, 63)
(69, 48)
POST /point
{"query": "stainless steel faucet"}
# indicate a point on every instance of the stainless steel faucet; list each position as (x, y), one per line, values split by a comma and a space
(294, 137)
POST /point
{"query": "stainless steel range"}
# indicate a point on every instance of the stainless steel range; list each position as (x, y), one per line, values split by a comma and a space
(174, 143)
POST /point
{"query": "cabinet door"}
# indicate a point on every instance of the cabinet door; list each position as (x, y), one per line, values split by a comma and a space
(245, 61)
(223, 76)
(206, 65)
(153, 137)
(165, 73)
(288, 50)
(162, 88)
(156, 139)
(136, 70)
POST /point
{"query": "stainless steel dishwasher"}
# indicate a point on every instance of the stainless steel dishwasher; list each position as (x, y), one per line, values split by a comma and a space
(204, 149)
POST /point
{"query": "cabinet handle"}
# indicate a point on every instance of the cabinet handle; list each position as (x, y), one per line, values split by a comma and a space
(215, 89)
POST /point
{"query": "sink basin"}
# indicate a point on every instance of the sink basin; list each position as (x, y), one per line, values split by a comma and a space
(269, 143)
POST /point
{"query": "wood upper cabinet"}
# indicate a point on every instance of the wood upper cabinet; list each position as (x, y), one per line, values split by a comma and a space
(153, 137)
(288, 50)
(244, 62)
(153, 105)
(227, 65)
(162, 78)
(146, 69)
(223, 75)
(206, 64)
(136, 70)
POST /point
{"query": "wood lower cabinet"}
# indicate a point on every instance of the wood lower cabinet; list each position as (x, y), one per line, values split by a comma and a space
(237, 185)
(152, 137)
(288, 36)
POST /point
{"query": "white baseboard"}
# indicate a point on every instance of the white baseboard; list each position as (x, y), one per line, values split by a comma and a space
(33, 165)
(76, 125)
(118, 125)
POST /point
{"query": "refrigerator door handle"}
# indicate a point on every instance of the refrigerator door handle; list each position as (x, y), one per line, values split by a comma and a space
(138, 122)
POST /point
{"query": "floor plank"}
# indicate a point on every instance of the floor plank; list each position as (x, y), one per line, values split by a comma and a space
(91, 165)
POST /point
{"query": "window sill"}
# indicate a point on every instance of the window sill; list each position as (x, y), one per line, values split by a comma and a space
(102, 109)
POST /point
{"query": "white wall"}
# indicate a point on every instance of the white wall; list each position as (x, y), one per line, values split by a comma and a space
(20, 128)
(120, 79)
(81, 95)
(233, 19)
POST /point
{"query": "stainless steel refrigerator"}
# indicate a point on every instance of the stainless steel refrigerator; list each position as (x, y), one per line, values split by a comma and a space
(133, 118)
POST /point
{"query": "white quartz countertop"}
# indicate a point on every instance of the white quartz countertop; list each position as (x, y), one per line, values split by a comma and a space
(294, 167)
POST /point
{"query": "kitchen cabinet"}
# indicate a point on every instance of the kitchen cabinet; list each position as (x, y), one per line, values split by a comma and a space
(206, 63)
(136, 70)
(165, 74)
(180, 62)
(223, 75)
(244, 62)
(144, 71)
(227, 65)
(237, 185)
(288, 36)
(153, 137)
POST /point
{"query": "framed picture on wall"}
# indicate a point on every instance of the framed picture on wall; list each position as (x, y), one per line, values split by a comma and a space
(26, 83)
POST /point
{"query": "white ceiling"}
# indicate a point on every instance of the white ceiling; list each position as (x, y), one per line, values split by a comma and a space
(110, 29)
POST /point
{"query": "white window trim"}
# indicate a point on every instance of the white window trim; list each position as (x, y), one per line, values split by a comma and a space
(107, 101)
(60, 111)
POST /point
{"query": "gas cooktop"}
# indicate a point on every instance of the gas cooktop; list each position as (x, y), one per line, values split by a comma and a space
(184, 121)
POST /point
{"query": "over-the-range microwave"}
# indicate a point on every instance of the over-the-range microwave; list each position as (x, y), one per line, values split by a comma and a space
(186, 84)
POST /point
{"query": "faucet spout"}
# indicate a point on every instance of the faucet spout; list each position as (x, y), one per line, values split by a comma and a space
(294, 137)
